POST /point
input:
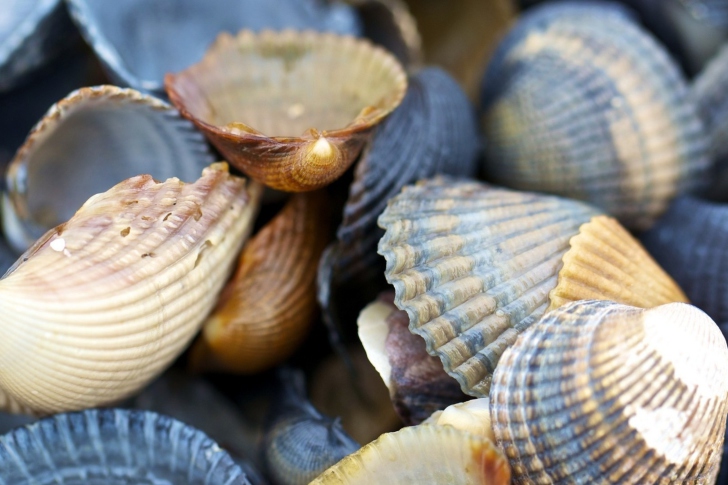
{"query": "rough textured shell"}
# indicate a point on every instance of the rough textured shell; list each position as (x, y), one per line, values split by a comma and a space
(114, 446)
(580, 101)
(605, 262)
(262, 100)
(422, 454)
(105, 302)
(85, 144)
(268, 307)
(598, 392)
(121, 33)
(473, 265)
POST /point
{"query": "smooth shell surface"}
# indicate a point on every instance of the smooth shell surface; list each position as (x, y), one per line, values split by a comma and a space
(114, 447)
(598, 392)
(105, 302)
(85, 144)
(472, 416)
(290, 109)
(580, 101)
(473, 265)
(422, 454)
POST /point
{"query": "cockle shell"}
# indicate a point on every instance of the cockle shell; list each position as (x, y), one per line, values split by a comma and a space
(268, 307)
(422, 454)
(113, 446)
(598, 392)
(472, 416)
(263, 100)
(580, 101)
(102, 304)
(86, 143)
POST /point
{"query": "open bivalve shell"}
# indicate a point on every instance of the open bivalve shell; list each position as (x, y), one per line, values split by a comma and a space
(598, 392)
(102, 304)
(290, 109)
(85, 144)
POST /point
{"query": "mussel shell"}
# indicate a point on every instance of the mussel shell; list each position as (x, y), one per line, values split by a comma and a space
(580, 101)
(113, 447)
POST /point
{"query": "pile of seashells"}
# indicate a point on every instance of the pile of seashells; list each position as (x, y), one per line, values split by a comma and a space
(284, 196)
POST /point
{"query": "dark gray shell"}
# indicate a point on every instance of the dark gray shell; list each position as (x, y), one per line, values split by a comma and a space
(580, 101)
(139, 41)
(113, 447)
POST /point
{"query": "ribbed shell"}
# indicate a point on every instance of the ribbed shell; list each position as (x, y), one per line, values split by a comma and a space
(606, 263)
(263, 101)
(599, 393)
(422, 454)
(473, 265)
(580, 101)
(268, 307)
(85, 144)
(105, 302)
(114, 446)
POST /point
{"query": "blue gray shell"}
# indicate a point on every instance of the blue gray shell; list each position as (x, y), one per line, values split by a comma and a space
(139, 41)
(113, 447)
(580, 101)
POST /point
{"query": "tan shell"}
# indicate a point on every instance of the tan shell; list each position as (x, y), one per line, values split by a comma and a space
(291, 109)
(598, 392)
(472, 416)
(268, 307)
(606, 263)
(422, 454)
(102, 304)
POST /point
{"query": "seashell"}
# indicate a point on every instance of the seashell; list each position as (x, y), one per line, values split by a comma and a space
(572, 108)
(7, 256)
(300, 442)
(121, 33)
(102, 304)
(473, 265)
(417, 383)
(117, 446)
(422, 454)
(268, 307)
(261, 100)
(60, 164)
(690, 242)
(472, 416)
(598, 392)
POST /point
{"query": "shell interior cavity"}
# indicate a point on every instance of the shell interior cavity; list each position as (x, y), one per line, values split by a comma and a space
(102, 304)
(598, 392)
(473, 266)
(88, 142)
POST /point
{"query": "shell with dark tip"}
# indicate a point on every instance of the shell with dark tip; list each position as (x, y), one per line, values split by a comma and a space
(101, 447)
(262, 101)
(580, 101)
(598, 392)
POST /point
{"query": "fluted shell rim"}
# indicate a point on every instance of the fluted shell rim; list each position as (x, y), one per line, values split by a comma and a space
(27, 28)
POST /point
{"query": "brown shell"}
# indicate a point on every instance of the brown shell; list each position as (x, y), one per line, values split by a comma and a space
(290, 109)
(268, 307)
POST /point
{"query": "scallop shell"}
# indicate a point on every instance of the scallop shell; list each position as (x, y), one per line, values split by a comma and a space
(598, 392)
(105, 302)
(261, 100)
(472, 416)
(473, 265)
(108, 446)
(422, 454)
(121, 33)
(268, 307)
(580, 101)
(86, 143)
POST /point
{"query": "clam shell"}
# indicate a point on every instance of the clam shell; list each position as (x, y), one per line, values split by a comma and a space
(472, 416)
(105, 302)
(139, 41)
(261, 100)
(598, 392)
(422, 454)
(114, 446)
(86, 143)
(605, 262)
(268, 307)
(580, 101)
(472, 265)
